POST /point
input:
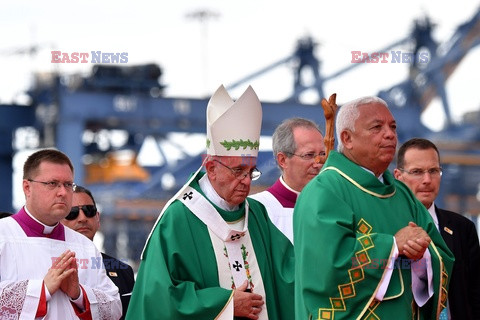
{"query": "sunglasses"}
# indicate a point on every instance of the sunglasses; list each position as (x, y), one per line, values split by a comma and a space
(88, 210)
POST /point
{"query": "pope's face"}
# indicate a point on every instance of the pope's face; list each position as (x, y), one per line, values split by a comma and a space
(221, 173)
(373, 143)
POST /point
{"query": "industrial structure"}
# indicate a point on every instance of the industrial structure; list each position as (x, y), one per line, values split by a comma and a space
(80, 115)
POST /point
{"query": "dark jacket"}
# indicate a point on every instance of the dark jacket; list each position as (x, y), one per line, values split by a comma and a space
(461, 238)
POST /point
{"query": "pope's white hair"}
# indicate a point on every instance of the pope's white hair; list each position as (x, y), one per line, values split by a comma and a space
(348, 114)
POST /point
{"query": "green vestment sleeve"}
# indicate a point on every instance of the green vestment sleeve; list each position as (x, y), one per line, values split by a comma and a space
(344, 225)
(172, 281)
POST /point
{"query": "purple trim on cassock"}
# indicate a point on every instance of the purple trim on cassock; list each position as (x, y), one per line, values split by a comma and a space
(286, 197)
(34, 229)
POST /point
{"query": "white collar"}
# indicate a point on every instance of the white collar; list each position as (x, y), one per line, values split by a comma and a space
(46, 229)
(286, 185)
(213, 196)
(380, 177)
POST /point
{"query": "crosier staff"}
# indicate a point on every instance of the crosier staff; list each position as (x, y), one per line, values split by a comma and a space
(329, 109)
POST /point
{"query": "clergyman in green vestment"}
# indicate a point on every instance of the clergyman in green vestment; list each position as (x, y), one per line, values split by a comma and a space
(212, 253)
(365, 247)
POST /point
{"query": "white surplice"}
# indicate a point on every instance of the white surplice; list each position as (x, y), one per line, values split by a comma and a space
(24, 262)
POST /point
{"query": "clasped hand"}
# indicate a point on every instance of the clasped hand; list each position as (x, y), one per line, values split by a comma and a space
(63, 275)
(412, 241)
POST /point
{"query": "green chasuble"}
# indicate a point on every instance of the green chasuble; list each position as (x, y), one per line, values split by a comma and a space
(344, 223)
(178, 275)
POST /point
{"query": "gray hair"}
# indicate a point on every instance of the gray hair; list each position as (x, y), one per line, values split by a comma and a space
(283, 140)
(348, 114)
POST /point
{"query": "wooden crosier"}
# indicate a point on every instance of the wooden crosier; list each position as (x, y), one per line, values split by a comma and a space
(329, 110)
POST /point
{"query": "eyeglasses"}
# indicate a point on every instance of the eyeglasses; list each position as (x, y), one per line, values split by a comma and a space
(317, 158)
(51, 185)
(89, 211)
(419, 173)
(240, 174)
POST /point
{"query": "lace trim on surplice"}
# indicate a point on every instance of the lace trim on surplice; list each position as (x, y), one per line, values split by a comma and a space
(104, 305)
(12, 299)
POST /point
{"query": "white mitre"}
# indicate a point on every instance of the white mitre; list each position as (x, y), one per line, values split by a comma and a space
(233, 127)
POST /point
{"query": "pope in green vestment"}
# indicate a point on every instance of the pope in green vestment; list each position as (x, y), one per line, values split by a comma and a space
(345, 220)
(178, 276)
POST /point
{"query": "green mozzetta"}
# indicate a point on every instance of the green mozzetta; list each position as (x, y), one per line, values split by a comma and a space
(344, 222)
(178, 277)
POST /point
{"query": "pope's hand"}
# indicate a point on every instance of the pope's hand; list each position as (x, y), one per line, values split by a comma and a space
(246, 304)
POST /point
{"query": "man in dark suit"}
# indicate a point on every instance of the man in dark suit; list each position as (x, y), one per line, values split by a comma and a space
(85, 218)
(418, 166)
